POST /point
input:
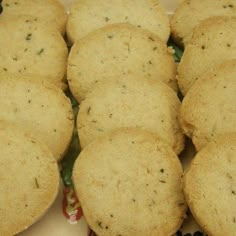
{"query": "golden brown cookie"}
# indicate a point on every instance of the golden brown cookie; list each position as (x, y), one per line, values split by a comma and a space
(52, 12)
(190, 13)
(28, 47)
(29, 179)
(210, 186)
(209, 108)
(131, 102)
(130, 183)
(40, 108)
(87, 16)
(116, 51)
(213, 42)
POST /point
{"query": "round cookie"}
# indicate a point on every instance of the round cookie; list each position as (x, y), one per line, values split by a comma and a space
(52, 12)
(28, 48)
(29, 179)
(115, 51)
(209, 108)
(131, 102)
(190, 13)
(40, 108)
(87, 16)
(210, 186)
(213, 42)
(124, 181)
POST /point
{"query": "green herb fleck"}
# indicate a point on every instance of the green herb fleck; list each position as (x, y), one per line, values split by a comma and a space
(28, 37)
(40, 51)
(181, 204)
(100, 224)
(89, 110)
(150, 38)
(36, 182)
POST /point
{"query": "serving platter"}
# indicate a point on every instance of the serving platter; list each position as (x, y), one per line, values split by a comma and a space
(65, 217)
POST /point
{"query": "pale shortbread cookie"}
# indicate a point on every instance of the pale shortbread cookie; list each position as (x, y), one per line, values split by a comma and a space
(213, 42)
(209, 108)
(52, 12)
(30, 48)
(210, 186)
(115, 51)
(131, 102)
(40, 108)
(29, 179)
(130, 183)
(87, 16)
(190, 13)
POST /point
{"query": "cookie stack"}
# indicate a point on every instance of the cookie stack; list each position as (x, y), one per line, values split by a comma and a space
(128, 177)
(206, 77)
(36, 119)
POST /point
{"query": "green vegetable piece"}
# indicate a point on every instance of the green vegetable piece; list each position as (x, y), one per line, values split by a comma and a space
(178, 51)
(73, 151)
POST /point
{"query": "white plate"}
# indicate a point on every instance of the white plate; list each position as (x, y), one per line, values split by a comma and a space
(54, 223)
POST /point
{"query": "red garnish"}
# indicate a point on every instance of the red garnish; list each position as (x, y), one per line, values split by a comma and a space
(70, 206)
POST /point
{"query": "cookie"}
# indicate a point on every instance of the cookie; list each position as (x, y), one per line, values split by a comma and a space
(40, 108)
(209, 108)
(52, 12)
(116, 51)
(131, 102)
(29, 179)
(210, 186)
(213, 42)
(87, 16)
(190, 13)
(124, 180)
(27, 48)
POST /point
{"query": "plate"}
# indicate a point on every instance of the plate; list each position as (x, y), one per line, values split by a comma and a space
(65, 217)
